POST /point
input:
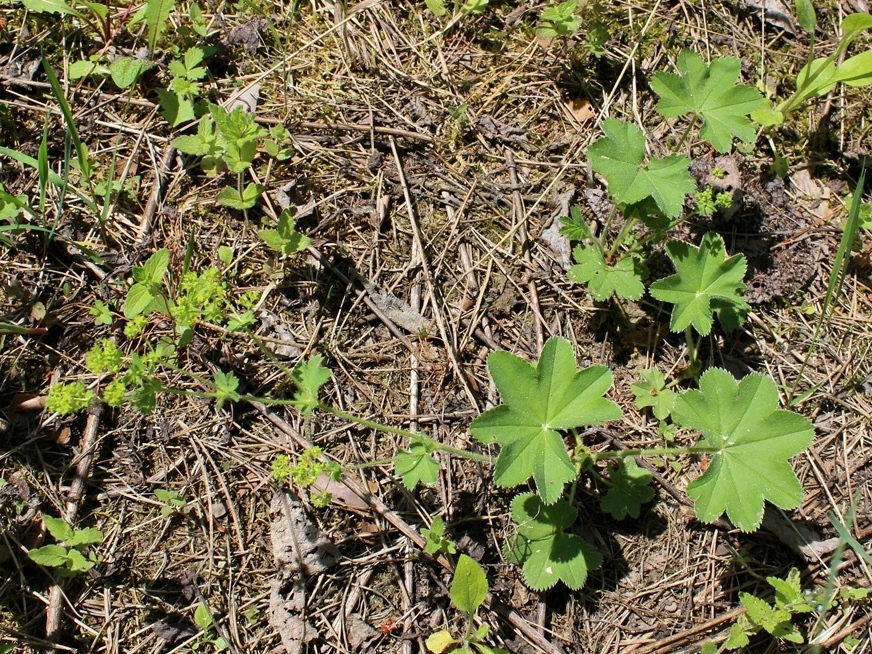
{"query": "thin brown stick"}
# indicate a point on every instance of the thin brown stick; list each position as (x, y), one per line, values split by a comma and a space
(521, 220)
(156, 192)
(54, 611)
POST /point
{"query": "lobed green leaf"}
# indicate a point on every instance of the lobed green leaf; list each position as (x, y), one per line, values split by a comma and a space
(620, 156)
(753, 442)
(711, 93)
(539, 401)
(706, 283)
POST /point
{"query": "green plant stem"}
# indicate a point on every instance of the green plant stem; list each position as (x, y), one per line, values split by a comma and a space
(654, 451)
(692, 346)
(483, 458)
(622, 235)
(606, 227)
(686, 133)
(579, 446)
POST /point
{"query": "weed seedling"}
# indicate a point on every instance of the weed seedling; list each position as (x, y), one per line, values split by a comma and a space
(69, 553)
(172, 501)
(203, 619)
(468, 592)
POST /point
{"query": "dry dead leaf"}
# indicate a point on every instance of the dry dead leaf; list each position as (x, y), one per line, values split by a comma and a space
(581, 109)
(342, 495)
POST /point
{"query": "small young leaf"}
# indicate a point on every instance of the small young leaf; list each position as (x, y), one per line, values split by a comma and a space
(101, 313)
(559, 20)
(538, 401)
(546, 553)
(574, 226)
(309, 376)
(738, 637)
(58, 528)
(624, 279)
(80, 69)
(176, 109)
(126, 70)
(285, 238)
(440, 641)
(192, 145)
(225, 388)
(620, 156)
(706, 283)
(202, 618)
(857, 70)
(815, 78)
(787, 591)
(436, 541)
(139, 297)
(767, 116)
(225, 254)
(153, 270)
(437, 7)
(630, 491)
(469, 586)
(474, 6)
(87, 536)
(711, 93)
(853, 26)
(52, 556)
(652, 392)
(417, 465)
(754, 441)
(230, 197)
(76, 562)
(805, 15)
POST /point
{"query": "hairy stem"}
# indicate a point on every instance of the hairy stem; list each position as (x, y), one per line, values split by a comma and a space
(654, 451)
(686, 133)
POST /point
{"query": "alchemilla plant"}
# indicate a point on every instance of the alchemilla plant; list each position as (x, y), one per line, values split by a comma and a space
(549, 403)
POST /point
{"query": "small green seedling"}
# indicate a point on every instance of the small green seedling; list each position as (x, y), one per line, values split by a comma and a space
(178, 101)
(284, 238)
(652, 392)
(468, 591)
(173, 502)
(559, 20)
(436, 541)
(777, 619)
(308, 469)
(203, 619)
(147, 295)
(69, 553)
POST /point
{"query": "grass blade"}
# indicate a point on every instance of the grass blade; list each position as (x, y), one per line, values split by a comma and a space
(837, 274)
(81, 148)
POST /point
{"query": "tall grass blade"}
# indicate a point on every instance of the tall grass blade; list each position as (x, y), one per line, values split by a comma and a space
(837, 274)
(42, 167)
(81, 148)
(53, 177)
